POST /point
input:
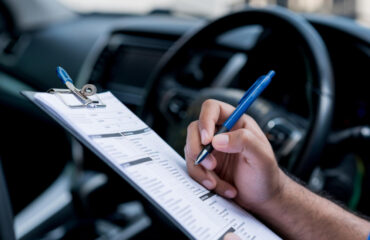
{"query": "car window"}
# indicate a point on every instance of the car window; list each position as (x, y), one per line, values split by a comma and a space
(355, 9)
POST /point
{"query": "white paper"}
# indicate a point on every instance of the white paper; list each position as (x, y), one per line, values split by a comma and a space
(156, 168)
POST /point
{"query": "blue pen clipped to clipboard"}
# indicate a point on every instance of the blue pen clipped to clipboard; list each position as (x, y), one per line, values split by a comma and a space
(86, 95)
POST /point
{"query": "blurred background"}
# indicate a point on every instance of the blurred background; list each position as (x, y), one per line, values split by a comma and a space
(117, 45)
(354, 9)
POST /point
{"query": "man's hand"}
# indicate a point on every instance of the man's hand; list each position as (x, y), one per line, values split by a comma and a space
(243, 167)
(243, 164)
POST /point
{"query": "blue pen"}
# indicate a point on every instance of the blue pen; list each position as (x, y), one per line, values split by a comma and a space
(248, 98)
(67, 80)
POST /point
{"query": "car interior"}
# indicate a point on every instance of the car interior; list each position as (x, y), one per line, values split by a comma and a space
(163, 65)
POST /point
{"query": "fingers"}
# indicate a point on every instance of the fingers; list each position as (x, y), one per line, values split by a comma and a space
(224, 188)
(203, 174)
(213, 113)
(251, 124)
(236, 141)
(200, 174)
(194, 147)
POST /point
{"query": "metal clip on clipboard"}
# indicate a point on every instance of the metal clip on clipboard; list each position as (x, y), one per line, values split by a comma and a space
(86, 95)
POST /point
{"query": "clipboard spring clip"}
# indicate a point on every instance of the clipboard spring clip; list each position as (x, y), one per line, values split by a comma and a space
(83, 94)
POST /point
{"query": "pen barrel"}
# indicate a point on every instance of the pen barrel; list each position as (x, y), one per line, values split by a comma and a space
(239, 111)
(251, 95)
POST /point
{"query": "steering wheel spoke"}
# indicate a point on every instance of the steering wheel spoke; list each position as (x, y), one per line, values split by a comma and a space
(231, 69)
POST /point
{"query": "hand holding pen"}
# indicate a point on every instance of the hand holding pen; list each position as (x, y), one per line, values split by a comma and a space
(249, 97)
(242, 165)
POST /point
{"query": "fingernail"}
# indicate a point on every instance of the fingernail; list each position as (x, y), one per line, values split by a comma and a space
(204, 136)
(230, 193)
(231, 236)
(221, 139)
(185, 149)
(208, 184)
(207, 163)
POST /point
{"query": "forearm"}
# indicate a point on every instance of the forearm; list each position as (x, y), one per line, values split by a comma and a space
(297, 213)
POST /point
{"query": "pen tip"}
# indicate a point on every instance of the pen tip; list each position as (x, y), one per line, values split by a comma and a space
(201, 156)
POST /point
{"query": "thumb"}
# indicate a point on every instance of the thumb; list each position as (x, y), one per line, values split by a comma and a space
(235, 141)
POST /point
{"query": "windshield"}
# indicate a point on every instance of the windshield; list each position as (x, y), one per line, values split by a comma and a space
(355, 9)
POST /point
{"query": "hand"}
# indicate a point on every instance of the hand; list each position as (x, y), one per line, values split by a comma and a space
(243, 167)
(243, 164)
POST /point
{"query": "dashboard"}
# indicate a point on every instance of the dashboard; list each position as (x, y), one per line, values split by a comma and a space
(120, 54)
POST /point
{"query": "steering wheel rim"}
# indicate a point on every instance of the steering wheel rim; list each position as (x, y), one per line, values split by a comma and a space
(320, 92)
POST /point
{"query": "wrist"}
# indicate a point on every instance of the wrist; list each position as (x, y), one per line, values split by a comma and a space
(280, 197)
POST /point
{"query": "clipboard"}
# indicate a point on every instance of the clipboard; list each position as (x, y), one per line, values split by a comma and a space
(31, 96)
(247, 222)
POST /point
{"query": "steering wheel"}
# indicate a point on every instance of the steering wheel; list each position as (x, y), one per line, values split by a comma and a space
(170, 101)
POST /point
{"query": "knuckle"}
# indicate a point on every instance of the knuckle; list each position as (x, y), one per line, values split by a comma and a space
(207, 103)
(249, 120)
(192, 125)
(245, 135)
(253, 121)
(190, 156)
